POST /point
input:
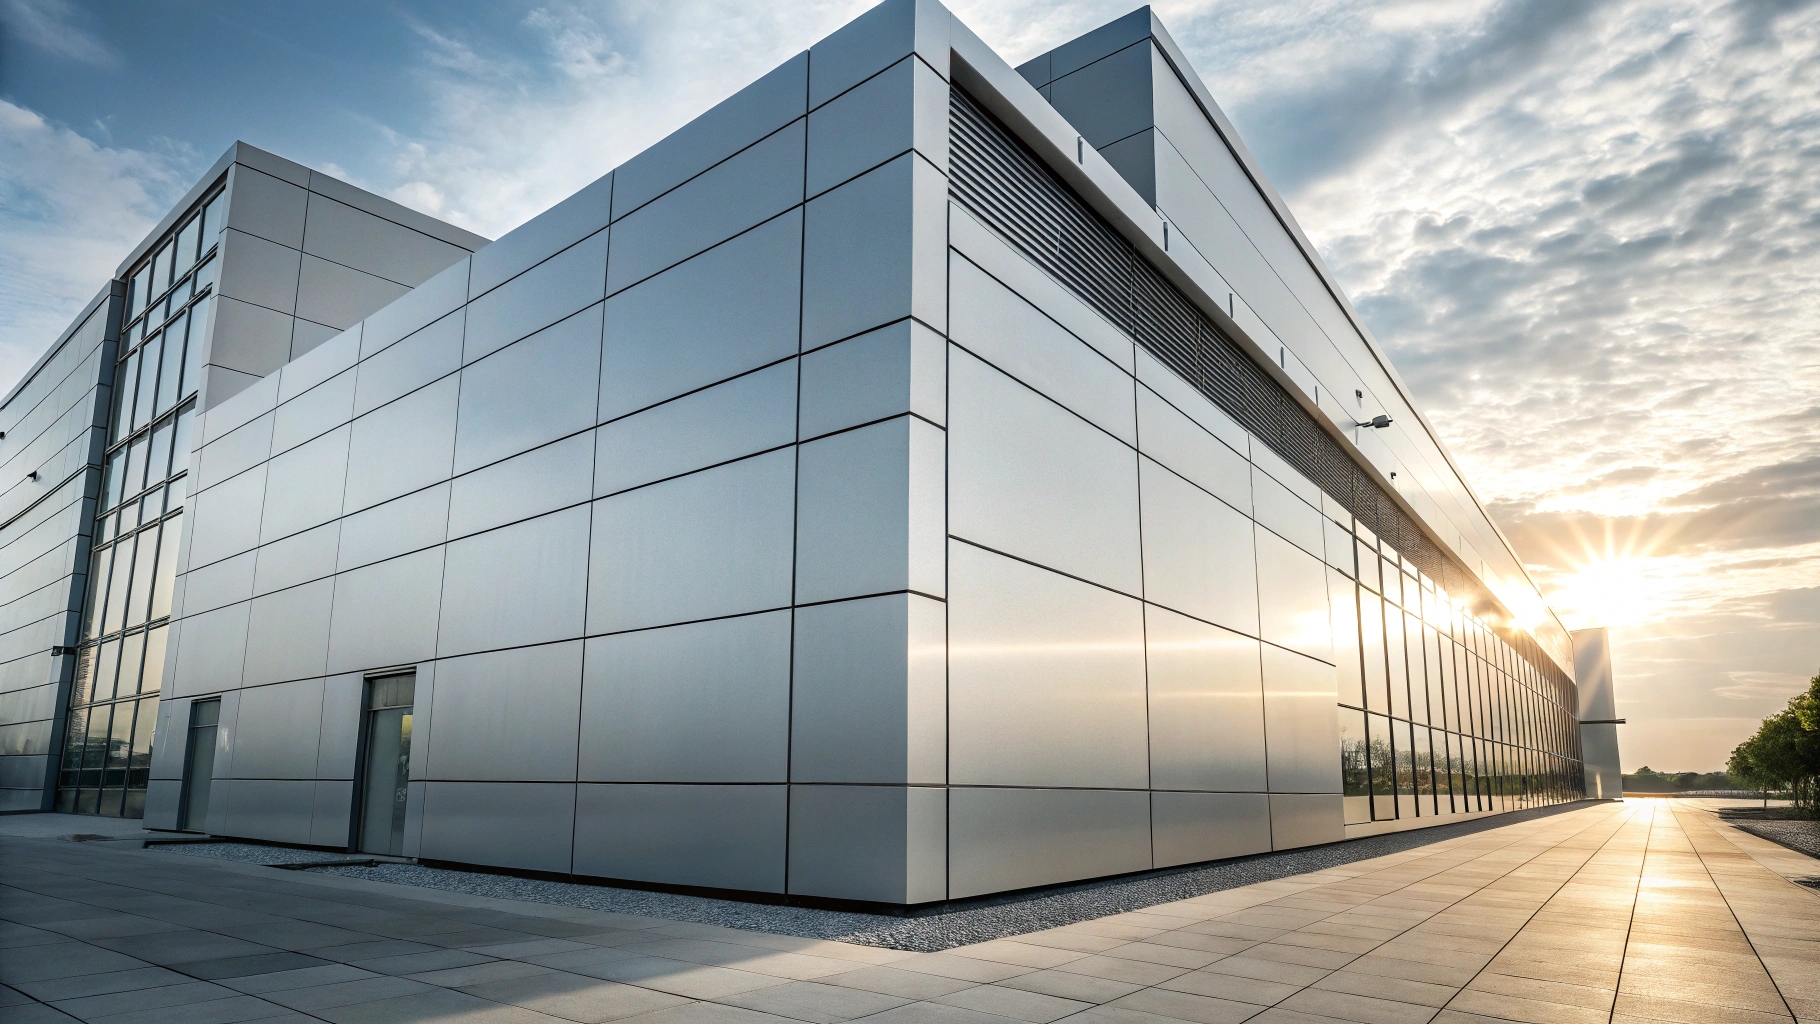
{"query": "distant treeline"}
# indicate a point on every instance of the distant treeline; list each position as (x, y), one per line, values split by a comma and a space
(1647, 780)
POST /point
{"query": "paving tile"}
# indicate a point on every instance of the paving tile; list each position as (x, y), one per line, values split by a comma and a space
(90, 1007)
(478, 974)
(314, 998)
(33, 1013)
(1400, 989)
(1016, 953)
(416, 963)
(1362, 1008)
(1529, 1011)
(1681, 1012)
(933, 1013)
(1188, 1006)
(1017, 1004)
(436, 1004)
(231, 1010)
(13, 997)
(814, 1001)
(247, 966)
(894, 982)
(75, 986)
(327, 974)
(1117, 969)
(681, 978)
(1243, 966)
(961, 968)
(61, 960)
(1078, 987)
(1232, 986)
(575, 997)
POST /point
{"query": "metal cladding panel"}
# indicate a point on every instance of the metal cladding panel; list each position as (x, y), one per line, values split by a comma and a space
(278, 731)
(1198, 552)
(868, 699)
(1191, 827)
(1592, 671)
(521, 584)
(526, 825)
(1001, 327)
(506, 716)
(1206, 706)
(725, 837)
(701, 702)
(1292, 597)
(744, 191)
(708, 544)
(1004, 839)
(1046, 678)
(1029, 478)
(748, 414)
(1301, 729)
(530, 392)
(886, 844)
(731, 309)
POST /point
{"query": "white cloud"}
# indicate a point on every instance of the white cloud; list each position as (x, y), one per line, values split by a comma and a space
(69, 211)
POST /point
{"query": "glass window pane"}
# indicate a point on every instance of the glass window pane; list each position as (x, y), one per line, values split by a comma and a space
(132, 654)
(140, 600)
(115, 616)
(211, 219)
(166, 576)
(205, 275)
(82, 690)
(170, 374)
(75, 732)
(124, 380)
(107, 667)
(148, 381)
(116, 476)
(97, 592)
(192, 360)
(140, 295)
(159, 463)
(152, 677)
(1399, 662)
(1371, 652)
(161, 270)
(1383, 768)
(186, 244)
(180, 442)
(1355, 766)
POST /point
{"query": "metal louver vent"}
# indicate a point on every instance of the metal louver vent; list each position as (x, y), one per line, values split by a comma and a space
(1000, 181)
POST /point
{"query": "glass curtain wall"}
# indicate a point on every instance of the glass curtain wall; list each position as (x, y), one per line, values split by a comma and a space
(120, 662)
(1446, 717)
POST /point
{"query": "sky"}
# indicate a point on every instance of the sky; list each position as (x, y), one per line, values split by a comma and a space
(1587, 231)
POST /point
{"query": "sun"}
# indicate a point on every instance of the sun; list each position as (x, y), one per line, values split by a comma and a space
(1614, 590)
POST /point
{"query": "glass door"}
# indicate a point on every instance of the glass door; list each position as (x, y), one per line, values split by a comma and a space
(386, 770)
(199, 764)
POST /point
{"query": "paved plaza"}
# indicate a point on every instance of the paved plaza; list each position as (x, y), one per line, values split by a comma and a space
(1648, 910)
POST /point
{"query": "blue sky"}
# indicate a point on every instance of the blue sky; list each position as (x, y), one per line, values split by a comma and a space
(1587, 230)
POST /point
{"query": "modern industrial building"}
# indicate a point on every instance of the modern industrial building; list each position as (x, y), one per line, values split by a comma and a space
(916, 478)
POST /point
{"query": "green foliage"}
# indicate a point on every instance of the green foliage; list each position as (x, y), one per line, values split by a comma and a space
(1785, 752)
(1648, 780)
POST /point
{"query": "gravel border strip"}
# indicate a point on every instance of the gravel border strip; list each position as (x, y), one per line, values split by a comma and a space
(1799, 836)
(931, 931)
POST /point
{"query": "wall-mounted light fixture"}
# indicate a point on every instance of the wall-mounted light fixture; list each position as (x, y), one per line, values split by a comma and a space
(1378, 422)
(33, 475)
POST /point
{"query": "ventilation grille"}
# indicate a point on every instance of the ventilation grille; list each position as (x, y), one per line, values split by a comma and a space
(997, 178)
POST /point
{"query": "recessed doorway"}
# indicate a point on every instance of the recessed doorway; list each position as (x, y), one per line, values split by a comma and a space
(386, 768)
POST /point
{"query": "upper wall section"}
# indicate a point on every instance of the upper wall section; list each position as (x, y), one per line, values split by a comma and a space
(1130, 93)
(303, 257)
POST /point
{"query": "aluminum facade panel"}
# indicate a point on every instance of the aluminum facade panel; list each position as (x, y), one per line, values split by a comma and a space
(566, 283)
(1206, 706)
(397, 527)
(869, 696)
(702, 702)
(874, 251)
(527, 825)
(541, 480)
(704, 545)
(1029, 478)
(1003, 839)
(742, 416)
(402, 447)
(278, 733)
(288, 634)
(1192, 827)
(1292, 597)
(429, 354)
(902, 368)
(731, 309)
(1301, 729)
(886, 844)
(1198, 552)
(314, 412)
(530, 392)
(385, 614)
(1046, 678)
(521, 584)
(506, 716)
(303, 486)
(728, 837)
(869, 516)
(543, 236)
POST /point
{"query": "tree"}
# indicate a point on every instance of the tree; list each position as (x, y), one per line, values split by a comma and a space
(1785, 752)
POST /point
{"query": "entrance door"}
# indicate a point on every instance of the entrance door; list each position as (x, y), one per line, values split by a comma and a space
(199, 764)
(386, 772)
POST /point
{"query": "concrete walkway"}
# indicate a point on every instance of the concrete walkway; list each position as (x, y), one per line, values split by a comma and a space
(1646, 910)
